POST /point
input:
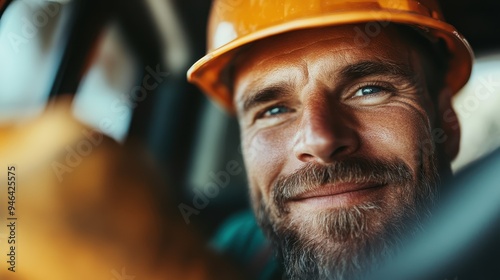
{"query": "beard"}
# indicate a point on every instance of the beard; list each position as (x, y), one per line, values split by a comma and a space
(347, 241)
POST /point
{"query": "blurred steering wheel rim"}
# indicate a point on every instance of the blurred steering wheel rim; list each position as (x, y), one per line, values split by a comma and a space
(461, 240)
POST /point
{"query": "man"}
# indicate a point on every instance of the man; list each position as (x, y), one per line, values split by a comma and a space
(346, 120)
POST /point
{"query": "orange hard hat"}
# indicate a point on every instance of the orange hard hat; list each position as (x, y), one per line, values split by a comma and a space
(235, 23)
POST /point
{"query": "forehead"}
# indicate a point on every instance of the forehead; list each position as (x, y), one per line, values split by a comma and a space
(329, 48)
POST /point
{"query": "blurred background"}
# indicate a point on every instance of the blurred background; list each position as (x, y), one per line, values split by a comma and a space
(122, 64)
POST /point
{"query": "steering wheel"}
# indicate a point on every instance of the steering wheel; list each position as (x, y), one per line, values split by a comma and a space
(462, 240)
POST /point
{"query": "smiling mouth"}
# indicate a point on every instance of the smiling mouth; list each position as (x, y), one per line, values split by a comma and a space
(337, 195)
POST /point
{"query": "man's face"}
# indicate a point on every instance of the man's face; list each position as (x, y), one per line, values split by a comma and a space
(332, 137)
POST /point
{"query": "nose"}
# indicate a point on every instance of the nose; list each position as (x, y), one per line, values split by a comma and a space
(325, 134)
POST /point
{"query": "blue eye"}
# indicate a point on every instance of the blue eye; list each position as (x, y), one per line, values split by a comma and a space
(275, 111)
(368, 90)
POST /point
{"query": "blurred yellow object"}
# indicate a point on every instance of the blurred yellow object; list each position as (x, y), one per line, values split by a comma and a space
(237, 23)
(89, 208)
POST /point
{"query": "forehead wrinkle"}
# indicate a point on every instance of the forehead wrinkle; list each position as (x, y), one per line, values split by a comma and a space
(338, 66)
(296, 50)
(289, 52)
(302, 63)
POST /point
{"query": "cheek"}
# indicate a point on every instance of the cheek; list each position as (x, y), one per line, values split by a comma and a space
(400, 131)
(264, 153)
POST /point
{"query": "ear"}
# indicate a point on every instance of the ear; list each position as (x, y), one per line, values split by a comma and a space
(449, 123)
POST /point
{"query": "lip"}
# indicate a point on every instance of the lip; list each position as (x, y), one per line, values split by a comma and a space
(338, 194)
(331, 189)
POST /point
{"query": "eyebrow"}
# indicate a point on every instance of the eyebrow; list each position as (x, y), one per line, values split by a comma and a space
(371, 68)
(350, 72)
(264, 95)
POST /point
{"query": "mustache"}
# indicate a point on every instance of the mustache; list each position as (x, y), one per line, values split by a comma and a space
(355, 170)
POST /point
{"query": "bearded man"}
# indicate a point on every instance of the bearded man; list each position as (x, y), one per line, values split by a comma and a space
(346, 121)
